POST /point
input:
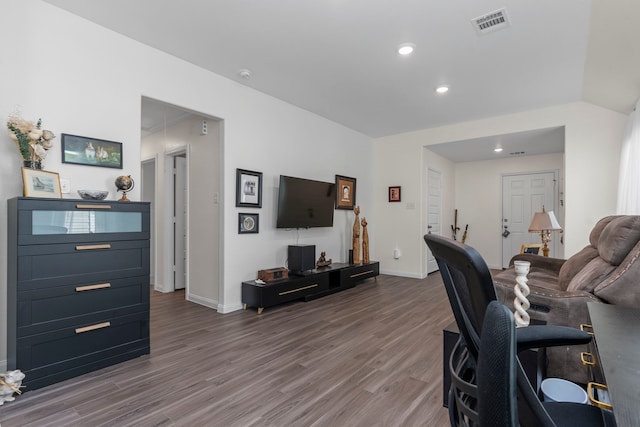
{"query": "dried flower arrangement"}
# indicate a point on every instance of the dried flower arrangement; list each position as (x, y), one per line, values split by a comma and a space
(32, 141)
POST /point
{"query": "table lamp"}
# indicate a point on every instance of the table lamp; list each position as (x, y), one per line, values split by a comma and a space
(544, 222)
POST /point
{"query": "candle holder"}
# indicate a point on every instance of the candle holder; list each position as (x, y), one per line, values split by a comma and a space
(520, 302)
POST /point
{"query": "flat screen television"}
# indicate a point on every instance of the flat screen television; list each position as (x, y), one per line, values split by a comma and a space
(305, 203)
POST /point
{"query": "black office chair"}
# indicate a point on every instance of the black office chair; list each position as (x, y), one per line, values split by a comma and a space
(499, 376)
(470, 289)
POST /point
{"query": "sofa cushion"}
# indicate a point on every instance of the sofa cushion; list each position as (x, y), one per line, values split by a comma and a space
(574, 264)
(590, 276)
(594, 236)
(618, 238)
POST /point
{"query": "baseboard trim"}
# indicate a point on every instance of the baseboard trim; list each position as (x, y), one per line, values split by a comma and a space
(402, 274)
(229, 308)
(203, 301)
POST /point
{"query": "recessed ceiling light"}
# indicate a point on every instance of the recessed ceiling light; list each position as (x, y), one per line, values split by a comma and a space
(442, 89)
(497, 149)
(406, 48)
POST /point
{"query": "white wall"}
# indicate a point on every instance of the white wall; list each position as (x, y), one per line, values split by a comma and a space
(83, 79)
(593, 138)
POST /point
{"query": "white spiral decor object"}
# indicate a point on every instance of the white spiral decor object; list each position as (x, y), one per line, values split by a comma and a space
(520, 302)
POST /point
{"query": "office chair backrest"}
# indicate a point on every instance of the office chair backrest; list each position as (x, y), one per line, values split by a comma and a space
(468, 283)
(496, 372)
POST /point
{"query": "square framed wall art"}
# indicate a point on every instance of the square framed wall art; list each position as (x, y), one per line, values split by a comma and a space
(248, 223)
(248, 189)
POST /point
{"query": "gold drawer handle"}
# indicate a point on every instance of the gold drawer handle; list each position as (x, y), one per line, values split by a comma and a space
(93, 327)
(93, 287)
(92, 247)
(361, 274)
(297, 290)
(585, 326)
(585, 362)
(591, 392)
(80, 206)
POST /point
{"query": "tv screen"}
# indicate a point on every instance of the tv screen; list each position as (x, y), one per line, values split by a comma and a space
(304, 203)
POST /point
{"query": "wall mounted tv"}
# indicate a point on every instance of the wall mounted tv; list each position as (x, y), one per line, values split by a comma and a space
(305, 203)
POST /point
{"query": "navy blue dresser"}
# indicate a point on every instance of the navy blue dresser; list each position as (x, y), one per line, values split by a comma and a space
(78, 286)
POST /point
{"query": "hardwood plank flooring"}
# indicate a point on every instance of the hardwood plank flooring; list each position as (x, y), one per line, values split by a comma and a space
(368, 356)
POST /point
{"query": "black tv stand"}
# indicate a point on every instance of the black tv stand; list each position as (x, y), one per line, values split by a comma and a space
(313, 284)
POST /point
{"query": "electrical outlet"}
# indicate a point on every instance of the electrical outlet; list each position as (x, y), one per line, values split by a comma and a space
(65, 186)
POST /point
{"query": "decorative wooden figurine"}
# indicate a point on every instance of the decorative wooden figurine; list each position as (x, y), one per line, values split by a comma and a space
(323, 261)
(365, 242)
(356, 236)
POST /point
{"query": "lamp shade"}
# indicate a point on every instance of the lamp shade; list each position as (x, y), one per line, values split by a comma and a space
(543, 221)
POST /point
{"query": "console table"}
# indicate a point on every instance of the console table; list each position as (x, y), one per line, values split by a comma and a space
(313, 284)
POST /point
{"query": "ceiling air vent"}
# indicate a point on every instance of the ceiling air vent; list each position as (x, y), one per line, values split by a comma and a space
(517, 153)
(492, 21)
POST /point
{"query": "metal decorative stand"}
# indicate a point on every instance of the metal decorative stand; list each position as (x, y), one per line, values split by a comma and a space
(520, 302)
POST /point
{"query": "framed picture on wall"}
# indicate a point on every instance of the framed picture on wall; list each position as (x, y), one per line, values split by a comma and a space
(394, 194)
(345, 192)
(80, 150)
(248, 223)
(248, 189)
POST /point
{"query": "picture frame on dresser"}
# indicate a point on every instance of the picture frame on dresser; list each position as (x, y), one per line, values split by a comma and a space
(40, 183)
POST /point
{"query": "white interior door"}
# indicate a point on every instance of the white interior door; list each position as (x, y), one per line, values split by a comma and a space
(434, 212)
(522, 196)
(179, 222)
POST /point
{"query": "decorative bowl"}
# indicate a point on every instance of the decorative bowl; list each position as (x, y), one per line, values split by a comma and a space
(93, 194)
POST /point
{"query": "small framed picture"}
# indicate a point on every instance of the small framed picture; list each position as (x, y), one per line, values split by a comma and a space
(248, 189)
(533, 248)
(39, 183)
(394, 194)
(81, 150)
(248, 223)
(345, 192)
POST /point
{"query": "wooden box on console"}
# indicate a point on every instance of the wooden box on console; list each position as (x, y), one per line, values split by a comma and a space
(272, 274)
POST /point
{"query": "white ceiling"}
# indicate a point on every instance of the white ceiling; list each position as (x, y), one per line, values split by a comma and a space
(337, 58)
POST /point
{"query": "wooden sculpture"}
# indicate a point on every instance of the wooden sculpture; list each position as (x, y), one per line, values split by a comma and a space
(356, 236)
(365, 242)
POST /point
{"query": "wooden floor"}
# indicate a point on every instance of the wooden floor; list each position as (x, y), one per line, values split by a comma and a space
(368, 356)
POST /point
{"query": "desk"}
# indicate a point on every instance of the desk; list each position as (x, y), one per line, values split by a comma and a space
(617, 336)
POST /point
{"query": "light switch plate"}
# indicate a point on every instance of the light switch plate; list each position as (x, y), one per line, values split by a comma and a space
(65, 186)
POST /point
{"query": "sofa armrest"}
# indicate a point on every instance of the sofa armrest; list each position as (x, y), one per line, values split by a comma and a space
(537, 261)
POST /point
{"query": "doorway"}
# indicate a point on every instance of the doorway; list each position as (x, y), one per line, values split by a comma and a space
(179, 216)
(434, 212)
(522, 196)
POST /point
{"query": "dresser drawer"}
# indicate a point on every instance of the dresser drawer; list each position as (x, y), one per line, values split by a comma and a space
(62, 221)
(55, 307)
(42, 266)
(352, 275)
(44, 354)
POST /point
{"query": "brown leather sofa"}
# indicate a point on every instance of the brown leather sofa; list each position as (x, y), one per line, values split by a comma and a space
(606, 271)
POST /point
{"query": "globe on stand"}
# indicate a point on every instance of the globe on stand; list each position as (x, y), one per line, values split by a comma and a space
(124, 184)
